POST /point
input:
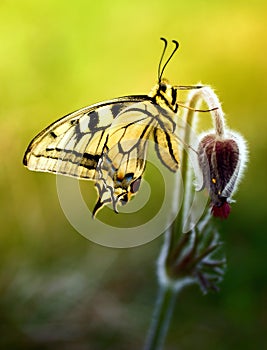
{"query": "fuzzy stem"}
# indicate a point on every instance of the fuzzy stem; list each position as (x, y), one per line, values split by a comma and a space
(212, 101)
(161, 319)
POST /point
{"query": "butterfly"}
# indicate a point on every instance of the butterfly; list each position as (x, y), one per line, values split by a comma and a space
(107, 142)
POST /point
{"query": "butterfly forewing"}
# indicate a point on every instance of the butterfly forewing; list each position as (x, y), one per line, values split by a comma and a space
(73, 145)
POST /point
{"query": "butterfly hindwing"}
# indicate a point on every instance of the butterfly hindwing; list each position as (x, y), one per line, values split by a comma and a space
(123, 161)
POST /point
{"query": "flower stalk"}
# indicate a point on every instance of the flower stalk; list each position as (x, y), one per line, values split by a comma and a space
(191, 257)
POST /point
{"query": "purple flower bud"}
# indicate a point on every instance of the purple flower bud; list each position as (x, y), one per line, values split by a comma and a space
(221, 160)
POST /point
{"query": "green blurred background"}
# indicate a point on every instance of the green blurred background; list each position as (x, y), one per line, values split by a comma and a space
(60, 291)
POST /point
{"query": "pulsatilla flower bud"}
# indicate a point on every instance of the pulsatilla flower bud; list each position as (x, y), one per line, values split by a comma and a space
(222, 160)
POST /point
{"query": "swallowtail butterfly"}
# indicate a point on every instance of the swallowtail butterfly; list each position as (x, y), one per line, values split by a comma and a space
(107, 142)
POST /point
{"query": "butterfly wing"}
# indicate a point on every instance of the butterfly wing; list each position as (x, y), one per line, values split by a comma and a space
(166, 138)
(73, 145)
(107, 143)
(123, 161)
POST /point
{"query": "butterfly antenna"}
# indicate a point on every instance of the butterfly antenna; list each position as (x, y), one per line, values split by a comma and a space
(161, 71)
(161, 58)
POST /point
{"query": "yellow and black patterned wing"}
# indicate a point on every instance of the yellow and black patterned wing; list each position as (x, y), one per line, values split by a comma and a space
(107, 143)
(73, 145)
(123, 161)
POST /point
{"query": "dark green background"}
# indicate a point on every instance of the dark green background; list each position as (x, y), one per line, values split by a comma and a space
(60, 291)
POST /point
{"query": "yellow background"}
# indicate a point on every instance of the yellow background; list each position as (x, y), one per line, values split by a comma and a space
(57, 289)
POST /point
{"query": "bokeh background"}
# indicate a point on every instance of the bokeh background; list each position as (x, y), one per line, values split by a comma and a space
(61, 291)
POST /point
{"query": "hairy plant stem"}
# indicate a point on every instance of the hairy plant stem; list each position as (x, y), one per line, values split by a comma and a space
(161, 318)
(174, 238)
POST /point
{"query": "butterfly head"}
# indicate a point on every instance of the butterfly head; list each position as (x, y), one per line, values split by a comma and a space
(165, 95)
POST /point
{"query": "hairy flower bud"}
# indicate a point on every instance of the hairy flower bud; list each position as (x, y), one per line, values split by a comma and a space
(221, 160)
